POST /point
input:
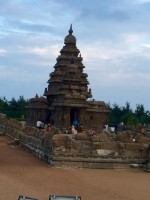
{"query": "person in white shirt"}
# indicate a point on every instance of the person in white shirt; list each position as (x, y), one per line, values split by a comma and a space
(38, 124)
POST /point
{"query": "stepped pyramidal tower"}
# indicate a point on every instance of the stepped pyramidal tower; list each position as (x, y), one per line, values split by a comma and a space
(67, 93)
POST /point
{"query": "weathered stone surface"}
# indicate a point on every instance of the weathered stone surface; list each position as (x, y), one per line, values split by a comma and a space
(2, 116)
(77, 144)
(86, 150)
(103, 137)
(60, 148)
(2, 130)
(94, 138)
(142, 139)
(69, 146)
(96, 145)
(109, 145)
(54, 131)
(124, 137)
(105, 152)
(133, 146)
(147, 133)
(132, 154)
(121, 145)
(58, 143)
(62, 137)
(108, 133)
(31, 130)
(87, 142)
(82, 136)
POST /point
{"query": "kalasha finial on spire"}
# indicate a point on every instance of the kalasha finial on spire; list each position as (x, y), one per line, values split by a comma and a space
(70, 30)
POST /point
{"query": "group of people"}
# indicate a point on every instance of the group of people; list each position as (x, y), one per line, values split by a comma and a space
(115, 128)
(76, 128)
(46, 126)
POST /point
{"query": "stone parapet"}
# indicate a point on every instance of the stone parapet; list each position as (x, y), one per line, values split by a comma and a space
(80, 150)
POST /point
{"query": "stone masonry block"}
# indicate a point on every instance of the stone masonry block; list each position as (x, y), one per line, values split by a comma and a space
(103, 137)
(96, 145)
(133, 146)
(109, 145)
(82, 136)
(62, 137)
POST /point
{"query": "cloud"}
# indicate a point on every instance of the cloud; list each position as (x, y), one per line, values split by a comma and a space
(113, 37)
(147, 46)
(141, 1)
(36, 50)
(2, 52)
(53, 50)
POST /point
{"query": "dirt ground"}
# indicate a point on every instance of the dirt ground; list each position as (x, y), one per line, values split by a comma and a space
(23, 174)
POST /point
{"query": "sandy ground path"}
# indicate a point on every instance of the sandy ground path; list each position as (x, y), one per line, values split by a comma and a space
(22, 173)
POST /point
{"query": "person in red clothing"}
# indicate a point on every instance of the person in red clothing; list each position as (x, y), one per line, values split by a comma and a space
(49, 127)
(81, 128)
(91, 132)
(70, 131)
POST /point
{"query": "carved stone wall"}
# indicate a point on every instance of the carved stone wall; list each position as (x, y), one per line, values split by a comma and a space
(80, 150)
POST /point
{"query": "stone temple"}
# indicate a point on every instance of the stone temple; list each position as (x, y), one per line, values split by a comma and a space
(67, 94)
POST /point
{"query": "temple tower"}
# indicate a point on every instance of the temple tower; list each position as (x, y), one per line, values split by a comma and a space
(67, 92)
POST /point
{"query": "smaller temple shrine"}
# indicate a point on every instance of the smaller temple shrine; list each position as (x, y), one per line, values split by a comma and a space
(67, 97)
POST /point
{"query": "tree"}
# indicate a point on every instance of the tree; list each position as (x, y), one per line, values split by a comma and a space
(126, 108)
(132, 119)
(139, 110)
(115, 114)
(126, 115)
(22, 103)
(13, 108)
(3, 104)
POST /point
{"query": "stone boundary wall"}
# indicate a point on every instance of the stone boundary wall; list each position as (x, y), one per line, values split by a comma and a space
(27, 136)
(79, 150)
(83, 146)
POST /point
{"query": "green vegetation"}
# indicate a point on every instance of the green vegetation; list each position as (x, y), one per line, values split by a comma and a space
(127, 115)
(16, 109)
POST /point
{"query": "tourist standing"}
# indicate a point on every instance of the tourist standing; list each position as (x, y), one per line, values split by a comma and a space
(38, 124)
(116, 128)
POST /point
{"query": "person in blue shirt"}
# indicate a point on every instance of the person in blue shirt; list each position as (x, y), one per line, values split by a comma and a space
(76, 123)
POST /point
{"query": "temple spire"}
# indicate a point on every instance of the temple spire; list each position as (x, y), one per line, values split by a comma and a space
(70, 30)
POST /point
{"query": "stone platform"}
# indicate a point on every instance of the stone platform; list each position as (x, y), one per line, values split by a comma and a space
(94, 163)
(82, 151)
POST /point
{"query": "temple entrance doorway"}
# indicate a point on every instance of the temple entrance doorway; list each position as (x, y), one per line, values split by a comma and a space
(74, 115)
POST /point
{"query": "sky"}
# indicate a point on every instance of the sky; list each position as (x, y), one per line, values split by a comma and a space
(113, 37)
